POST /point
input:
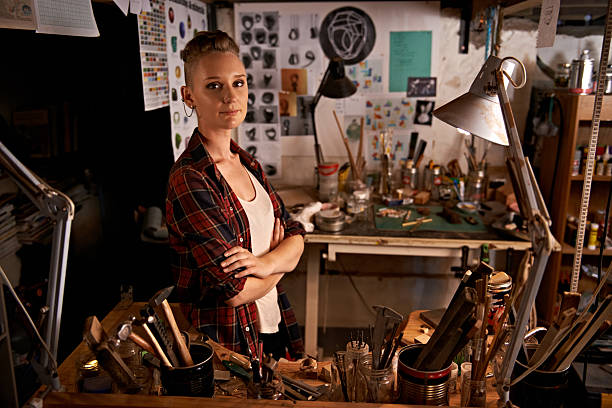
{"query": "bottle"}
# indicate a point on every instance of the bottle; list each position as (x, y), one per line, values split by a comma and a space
(599, 166)
(593, 236)
(608, 165)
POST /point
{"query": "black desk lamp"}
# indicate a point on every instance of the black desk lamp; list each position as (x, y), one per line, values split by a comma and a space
(334, 85)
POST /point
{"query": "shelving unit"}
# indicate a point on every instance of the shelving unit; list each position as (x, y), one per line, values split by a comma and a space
(563, 192)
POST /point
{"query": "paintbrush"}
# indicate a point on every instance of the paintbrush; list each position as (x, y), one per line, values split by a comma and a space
(414, 136)
(419, 153)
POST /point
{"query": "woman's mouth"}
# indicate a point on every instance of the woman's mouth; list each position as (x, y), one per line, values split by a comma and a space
(231, 112)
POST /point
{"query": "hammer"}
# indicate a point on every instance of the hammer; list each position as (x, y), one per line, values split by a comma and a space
(161, 299)
(124, 332)
(158, 350)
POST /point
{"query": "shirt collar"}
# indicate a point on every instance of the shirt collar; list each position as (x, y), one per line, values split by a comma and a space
(203, 161)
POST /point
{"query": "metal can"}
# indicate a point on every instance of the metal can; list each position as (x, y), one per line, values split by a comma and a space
(581, 74)
(500, 284)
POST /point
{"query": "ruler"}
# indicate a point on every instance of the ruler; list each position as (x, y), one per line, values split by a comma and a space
(588, 174)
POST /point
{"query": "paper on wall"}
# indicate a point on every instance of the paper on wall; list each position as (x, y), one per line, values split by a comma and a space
(17, 14)
(65, 17)
(366, 75)
(153, 58)
(182, 22)
(409, 56)
(135, 6)
(547, 26)
(123, 5)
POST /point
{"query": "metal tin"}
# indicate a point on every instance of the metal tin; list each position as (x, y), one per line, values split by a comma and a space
(581, 74)
(417, 386)
(330, 220)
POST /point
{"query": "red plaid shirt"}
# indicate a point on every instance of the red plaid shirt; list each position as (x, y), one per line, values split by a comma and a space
(205, 219)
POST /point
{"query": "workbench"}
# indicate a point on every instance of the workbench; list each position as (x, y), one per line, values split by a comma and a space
(71, 398)
(362, 237)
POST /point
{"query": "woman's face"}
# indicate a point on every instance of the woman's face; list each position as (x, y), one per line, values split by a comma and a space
(218, 91)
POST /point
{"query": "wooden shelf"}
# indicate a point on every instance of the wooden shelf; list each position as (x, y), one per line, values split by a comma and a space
(568, 249)
(580, 177)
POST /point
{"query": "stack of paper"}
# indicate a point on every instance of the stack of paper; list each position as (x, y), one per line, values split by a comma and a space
(32, 225)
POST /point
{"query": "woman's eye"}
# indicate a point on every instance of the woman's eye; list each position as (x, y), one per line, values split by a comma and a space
(213, 85)
(239, 83)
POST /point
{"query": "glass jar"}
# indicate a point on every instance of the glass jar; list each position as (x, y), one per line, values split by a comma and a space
(354, 351)
(562, 75)
(475, 186)
(473, 392)
(376, 385)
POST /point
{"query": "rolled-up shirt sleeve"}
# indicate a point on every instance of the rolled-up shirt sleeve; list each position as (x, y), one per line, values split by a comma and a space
(195, 215)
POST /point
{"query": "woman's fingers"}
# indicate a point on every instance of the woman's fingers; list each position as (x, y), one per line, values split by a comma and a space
(233, 250)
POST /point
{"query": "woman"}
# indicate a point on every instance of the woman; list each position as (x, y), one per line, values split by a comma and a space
(231, 238)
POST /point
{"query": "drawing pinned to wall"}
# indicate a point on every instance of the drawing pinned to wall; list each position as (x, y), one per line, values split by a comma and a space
(366, 75)
(389, 113)
(287, 102)
(352, 127)
(294, 80)
(424, 112)
(421, 87)
(265, 148)
(348, 33)
(395, 145)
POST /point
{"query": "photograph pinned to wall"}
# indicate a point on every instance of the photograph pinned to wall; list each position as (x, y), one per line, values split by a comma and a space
(287, 102)
(352, 127)
(182, 23)
(366, 75)
(266, 97)
(265, 150)
(294, 80)
(301, 123)
(424, 112)
(384, 113)
(267, 114)
(267, 79)
(348, 33)
(421, 87)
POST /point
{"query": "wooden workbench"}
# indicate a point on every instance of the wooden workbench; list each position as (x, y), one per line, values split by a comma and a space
(73, 399)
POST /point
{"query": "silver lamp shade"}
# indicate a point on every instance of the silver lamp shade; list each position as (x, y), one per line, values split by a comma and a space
(478, 111)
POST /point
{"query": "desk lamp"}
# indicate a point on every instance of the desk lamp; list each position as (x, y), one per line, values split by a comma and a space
(485, 111)
(334, 85)
(60, 209)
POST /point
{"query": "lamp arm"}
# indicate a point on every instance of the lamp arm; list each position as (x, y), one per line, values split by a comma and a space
(60, 208)
(313, 106)
(543, 242)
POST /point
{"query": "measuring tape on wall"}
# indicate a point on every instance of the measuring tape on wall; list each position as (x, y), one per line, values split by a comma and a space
(590, 164)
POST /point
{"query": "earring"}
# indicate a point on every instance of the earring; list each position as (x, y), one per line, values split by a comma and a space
(185, 110)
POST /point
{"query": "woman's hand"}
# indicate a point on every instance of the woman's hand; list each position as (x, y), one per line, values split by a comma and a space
(278, 235)
(239, 257)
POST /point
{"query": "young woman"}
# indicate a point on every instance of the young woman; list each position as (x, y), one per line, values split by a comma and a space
(231, 237)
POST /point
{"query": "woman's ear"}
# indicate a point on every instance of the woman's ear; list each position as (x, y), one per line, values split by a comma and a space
(187, 96)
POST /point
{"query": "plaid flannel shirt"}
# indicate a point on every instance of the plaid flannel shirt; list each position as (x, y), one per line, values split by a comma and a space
(205, 219)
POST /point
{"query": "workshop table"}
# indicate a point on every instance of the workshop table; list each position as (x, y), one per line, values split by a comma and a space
(362, 237)
(71, 398)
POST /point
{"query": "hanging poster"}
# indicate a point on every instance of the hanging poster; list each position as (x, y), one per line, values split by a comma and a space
(384, 113)
(153, 59)
(183, 21)
(409, 56)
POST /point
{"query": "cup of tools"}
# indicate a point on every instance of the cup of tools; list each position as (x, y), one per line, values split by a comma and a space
(196, 380)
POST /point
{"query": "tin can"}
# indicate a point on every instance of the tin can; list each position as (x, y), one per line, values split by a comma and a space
(581, 74)
(499, 285)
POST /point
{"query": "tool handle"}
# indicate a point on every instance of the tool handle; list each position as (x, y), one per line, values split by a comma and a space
(156, 345)
(178, 337)
(142, 343)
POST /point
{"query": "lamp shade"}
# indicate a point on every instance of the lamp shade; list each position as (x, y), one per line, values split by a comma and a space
(336, 85)
(478, 111)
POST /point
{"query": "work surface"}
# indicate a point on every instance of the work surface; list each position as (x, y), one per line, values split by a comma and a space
(71, 398)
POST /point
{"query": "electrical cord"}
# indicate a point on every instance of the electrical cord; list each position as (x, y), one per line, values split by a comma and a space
(367, 306)
(8, 284)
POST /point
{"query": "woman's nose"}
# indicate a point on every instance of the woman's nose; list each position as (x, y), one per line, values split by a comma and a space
(229, 95)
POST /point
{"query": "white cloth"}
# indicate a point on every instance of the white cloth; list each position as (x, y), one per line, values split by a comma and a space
(260, 214)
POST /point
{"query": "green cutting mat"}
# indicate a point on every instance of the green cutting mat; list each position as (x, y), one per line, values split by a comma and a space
(438, 224)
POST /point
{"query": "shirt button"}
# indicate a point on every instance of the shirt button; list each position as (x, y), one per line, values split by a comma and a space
(231, 209)
(246, 329)
(241, 240)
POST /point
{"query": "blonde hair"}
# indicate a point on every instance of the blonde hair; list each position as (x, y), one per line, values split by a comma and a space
(203, 43)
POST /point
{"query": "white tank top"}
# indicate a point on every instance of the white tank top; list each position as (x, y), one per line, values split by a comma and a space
(260, 214)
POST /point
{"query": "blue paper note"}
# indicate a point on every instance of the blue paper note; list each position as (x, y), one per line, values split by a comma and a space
(409, 56)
